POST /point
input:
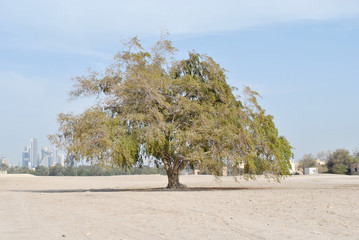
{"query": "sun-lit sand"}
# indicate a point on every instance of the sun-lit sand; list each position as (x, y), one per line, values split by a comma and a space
(126, 207)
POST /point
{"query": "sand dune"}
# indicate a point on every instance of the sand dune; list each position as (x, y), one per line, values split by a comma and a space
(132, 207)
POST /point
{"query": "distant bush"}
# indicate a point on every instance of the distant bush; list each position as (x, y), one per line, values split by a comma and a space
(19, 170)
(339, 161)
(340, 169)
(41, 171)
(91, 170)
(57, 170)
(307, 161)
(322, 169)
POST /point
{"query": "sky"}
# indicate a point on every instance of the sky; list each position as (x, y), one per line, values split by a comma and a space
(301, 55)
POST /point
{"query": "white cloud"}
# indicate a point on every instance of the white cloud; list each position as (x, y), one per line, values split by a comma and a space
(79, 20)
(87, 27)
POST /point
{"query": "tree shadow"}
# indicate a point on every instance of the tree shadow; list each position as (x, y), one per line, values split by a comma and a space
(188, 189)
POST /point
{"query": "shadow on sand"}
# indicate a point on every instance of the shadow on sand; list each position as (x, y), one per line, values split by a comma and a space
(188, 189)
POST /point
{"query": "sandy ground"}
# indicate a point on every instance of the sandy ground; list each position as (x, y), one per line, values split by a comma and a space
(124, 207)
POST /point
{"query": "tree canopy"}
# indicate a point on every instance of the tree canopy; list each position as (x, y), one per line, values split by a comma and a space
(307, 161)
(340, 160)
(183, 113)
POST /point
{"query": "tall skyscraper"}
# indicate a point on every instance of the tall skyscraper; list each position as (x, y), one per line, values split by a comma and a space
(61, 159)
(55, 156)
(26, 158)
(45, 158)
(34, 152)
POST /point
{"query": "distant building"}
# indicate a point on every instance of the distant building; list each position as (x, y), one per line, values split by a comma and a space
(292, 168)
(224, 171)
(61, 159)
(319, 162)
(354, 169)
(34, 153)
(52, 161)
(310, 171)
(55, 156)
(45, 157)
(25, 161)
(4, 161)
(33, 156)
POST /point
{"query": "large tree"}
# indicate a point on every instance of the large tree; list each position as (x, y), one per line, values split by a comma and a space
(307, 161)
(183, 113)
(339, 161)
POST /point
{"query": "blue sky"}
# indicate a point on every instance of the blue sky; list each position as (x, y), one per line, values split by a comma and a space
(302, 56)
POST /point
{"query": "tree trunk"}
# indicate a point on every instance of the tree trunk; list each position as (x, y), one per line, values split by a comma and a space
(173, 179)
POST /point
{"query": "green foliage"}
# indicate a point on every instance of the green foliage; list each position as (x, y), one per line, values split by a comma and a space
(19, 170)
(182, 113)
(339, 162)
(4, 167)
(41, 171)
(340, 169)
(57, 170)
(91, 170)
(70, 171)
(356, 156)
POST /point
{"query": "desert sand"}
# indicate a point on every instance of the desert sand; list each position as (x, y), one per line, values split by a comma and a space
(131, 207)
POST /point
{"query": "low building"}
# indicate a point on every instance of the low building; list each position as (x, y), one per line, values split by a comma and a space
(354, 169)
(310, 171)
(225, 171)
(292, 168)
(320, 162)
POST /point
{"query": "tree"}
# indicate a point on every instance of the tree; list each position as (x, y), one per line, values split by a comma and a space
(323, 155)
(42, 171)
(57, 170)
(339, 162)
(356, 156)
(19, 170)
(4, 167)
(180, 112)
(307, 161)
(70, 171)
(340, 169)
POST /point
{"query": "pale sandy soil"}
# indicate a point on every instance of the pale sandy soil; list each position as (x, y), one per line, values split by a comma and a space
(301, 207)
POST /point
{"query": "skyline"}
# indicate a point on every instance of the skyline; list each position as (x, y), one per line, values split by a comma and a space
(33, 155)
(300, 56)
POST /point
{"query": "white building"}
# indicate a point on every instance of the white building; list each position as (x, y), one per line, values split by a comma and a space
(292, 167)
(310, 171)
(25, 162)
(45, 157)
(34, 152)
(61, 159)
(55, 156)
(4, 161)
